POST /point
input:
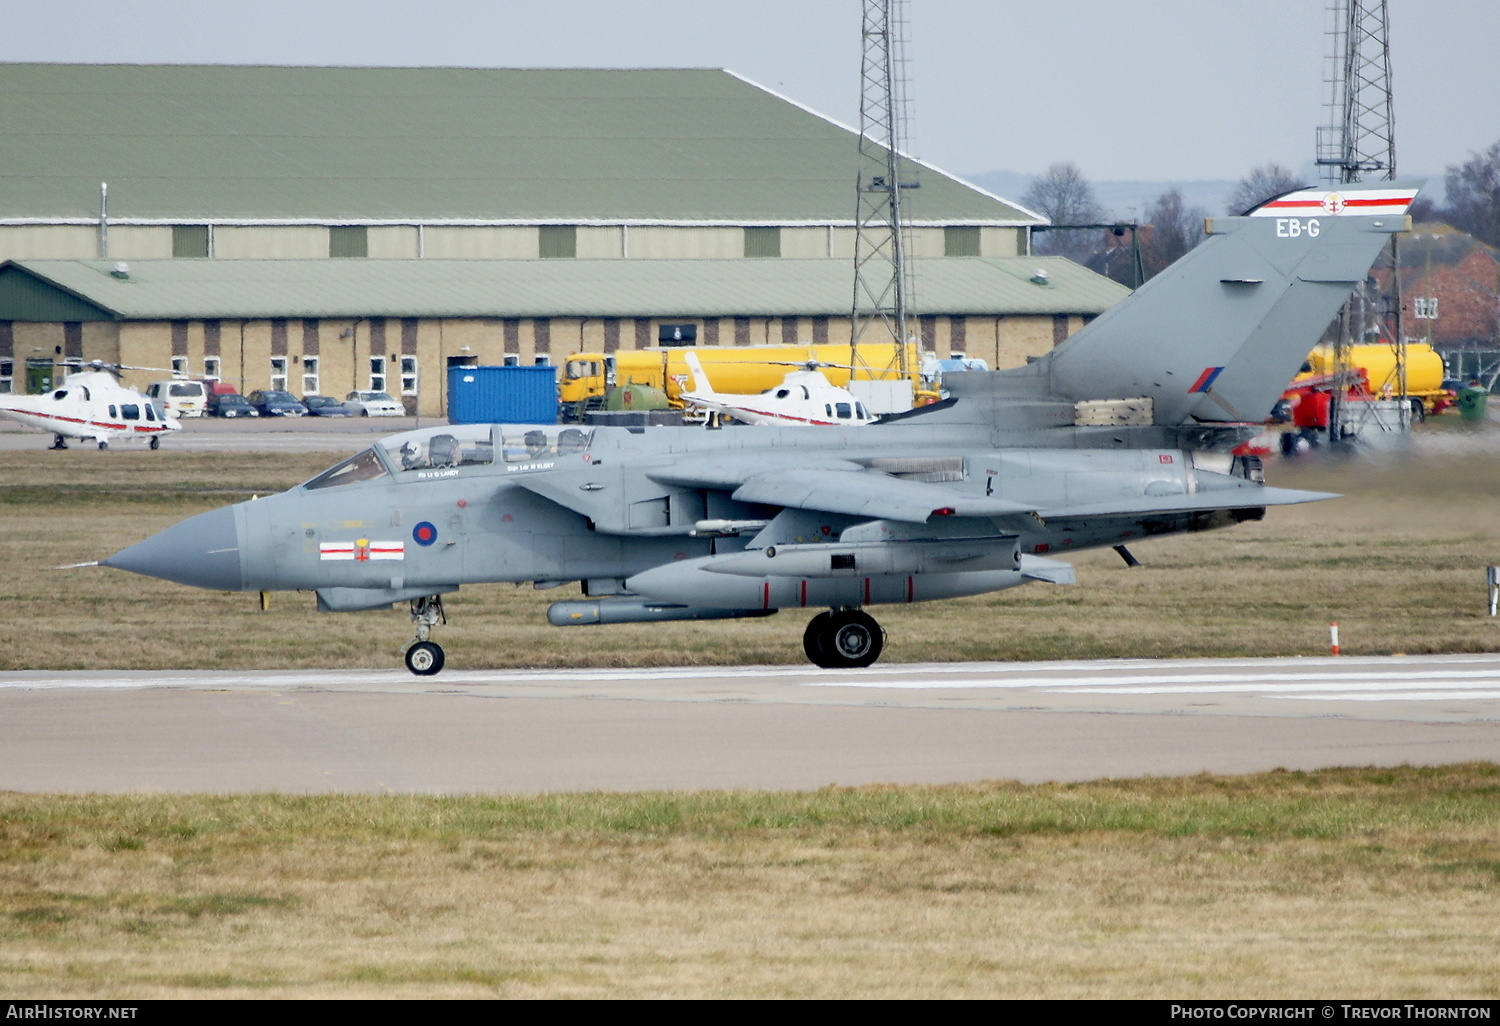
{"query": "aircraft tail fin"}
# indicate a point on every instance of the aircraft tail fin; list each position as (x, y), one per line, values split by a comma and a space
(1217, 336)
(698, 380)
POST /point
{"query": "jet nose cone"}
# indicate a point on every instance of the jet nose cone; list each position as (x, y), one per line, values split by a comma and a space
(203, 551)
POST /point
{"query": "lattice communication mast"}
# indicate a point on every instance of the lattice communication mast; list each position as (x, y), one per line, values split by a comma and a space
(1359, 143)
(882, 277)
(1359, 140)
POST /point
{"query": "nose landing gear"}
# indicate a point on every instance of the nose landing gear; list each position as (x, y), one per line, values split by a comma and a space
(843, 639)
(423, 657)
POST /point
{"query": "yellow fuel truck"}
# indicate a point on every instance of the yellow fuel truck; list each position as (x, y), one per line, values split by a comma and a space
(1377, 361)
(741, 370)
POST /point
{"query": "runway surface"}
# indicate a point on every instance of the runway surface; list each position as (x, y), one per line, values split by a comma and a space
(747, 727)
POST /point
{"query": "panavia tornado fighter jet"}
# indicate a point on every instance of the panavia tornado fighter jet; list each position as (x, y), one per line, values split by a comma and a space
(1123, 432)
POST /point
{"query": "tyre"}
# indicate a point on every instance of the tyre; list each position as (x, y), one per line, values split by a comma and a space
(425, 658)
(812, 638)
(847, 639)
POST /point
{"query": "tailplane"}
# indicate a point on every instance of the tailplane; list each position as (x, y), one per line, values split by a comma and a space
(697, 380)
(1217, 335)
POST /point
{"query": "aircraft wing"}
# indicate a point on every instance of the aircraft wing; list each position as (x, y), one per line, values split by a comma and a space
(866, 493)
(1246, 497)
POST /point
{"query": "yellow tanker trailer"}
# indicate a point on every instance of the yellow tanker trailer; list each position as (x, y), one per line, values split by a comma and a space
(741, 370)
(1377, 361)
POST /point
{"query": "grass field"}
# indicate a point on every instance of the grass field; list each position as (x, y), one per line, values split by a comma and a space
(1344, 883)
(1398, 563)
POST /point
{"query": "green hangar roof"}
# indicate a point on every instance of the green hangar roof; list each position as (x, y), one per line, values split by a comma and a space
(46, 290)
(196, 143)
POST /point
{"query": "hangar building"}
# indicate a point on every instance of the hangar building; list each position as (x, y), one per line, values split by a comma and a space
(380, 220)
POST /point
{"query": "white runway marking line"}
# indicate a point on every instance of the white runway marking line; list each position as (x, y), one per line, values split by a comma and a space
(1327, 678)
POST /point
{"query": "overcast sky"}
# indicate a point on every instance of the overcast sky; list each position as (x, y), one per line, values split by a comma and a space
(1167, 90)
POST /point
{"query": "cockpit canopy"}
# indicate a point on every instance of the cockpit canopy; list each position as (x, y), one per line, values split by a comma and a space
(449, 449)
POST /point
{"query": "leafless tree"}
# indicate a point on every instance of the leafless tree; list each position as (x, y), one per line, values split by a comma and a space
(1259, 185)
(1474, 196)
(1065, 196)
(1175, 229)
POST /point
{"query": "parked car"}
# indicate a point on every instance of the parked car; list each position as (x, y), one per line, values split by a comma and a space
(230, 404)
(273, 403)
(374, 404)
(325, 406)
(179, 397)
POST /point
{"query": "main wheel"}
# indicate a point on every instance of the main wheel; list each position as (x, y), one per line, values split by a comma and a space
(103, 445)
(424, 658)
(845, 639)
(812, 638)
(156, 441)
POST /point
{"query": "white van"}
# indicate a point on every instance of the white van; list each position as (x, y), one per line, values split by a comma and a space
(180, 397)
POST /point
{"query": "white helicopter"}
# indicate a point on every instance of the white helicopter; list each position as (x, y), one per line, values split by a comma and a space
(92, 406)
(804, 397)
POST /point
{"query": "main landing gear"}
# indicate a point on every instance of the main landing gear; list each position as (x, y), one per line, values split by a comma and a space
(424, 657)
(59, 442)
(843, 639)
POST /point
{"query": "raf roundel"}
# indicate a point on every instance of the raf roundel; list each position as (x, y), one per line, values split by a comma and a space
(424, 533)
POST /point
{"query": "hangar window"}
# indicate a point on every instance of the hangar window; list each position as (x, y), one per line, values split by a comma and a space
(962, 240)
(408, 375)
(7, 376)
(557, 240)
(309, 375)
(763, 242)
(278, 374)
(377, 374)
(190, 240)
(348, 240)
(210, 368)
(179, 366)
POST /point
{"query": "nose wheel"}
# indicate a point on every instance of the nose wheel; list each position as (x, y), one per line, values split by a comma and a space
(424, 657)
(843, 639)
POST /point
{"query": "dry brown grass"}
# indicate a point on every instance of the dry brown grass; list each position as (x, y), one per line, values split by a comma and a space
(1398, 563)
(1373, 883)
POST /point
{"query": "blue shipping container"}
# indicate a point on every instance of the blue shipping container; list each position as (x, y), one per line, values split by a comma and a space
(502, 395)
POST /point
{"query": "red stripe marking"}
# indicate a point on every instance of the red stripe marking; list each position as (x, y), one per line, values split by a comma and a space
(785, 416)
(765, 595)
(1208, 372)
(90, 423)
(867, 591)
(1308, 204)
(804, 594)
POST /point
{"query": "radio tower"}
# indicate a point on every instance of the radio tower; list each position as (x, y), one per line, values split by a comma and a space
(1359, 143)
(1359, 139)
(882, 279)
